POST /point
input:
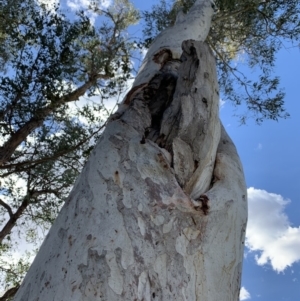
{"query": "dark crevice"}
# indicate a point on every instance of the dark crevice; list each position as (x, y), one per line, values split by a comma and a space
(203, 200)
(196, 164)
(214, 178)
(159, 95)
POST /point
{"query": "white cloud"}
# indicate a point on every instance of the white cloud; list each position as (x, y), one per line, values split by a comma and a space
(77, 5)
(269, 231)
(222, 103)
(144, 51)
(49, 4)
(244, 294)
(259, 147)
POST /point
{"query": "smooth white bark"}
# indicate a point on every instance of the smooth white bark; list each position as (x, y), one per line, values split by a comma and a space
(194, 25)
(159, 211)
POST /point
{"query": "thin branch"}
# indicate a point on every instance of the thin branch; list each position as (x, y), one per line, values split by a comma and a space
(7, 207)
(26, 202)
(231, 14)
(8, 271)
(13, 219)
(37, 193)
(33, 163)
(230, 68)
(20, 135)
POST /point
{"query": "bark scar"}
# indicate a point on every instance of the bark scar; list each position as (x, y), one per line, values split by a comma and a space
(203, 199)
(163, 56)
(162, 160)
(132, 92)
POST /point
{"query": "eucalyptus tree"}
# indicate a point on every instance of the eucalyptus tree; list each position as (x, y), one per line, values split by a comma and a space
(49, 60)
(159, 211)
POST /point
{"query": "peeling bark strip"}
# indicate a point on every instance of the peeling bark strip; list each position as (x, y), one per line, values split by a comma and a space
(159, 210)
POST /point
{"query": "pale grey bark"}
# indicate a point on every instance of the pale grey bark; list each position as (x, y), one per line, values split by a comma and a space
(159, 211)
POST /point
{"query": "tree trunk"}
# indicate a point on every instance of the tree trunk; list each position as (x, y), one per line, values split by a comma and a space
(159, 211)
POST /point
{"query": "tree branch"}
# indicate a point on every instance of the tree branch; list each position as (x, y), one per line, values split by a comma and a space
(37, 193)
(10, 293)
(20, 135)
(13, 219)
(33, 163)
(229, 67)
(7, 207)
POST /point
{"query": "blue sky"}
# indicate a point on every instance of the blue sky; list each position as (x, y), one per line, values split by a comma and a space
(270, 156)
(269, 153)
